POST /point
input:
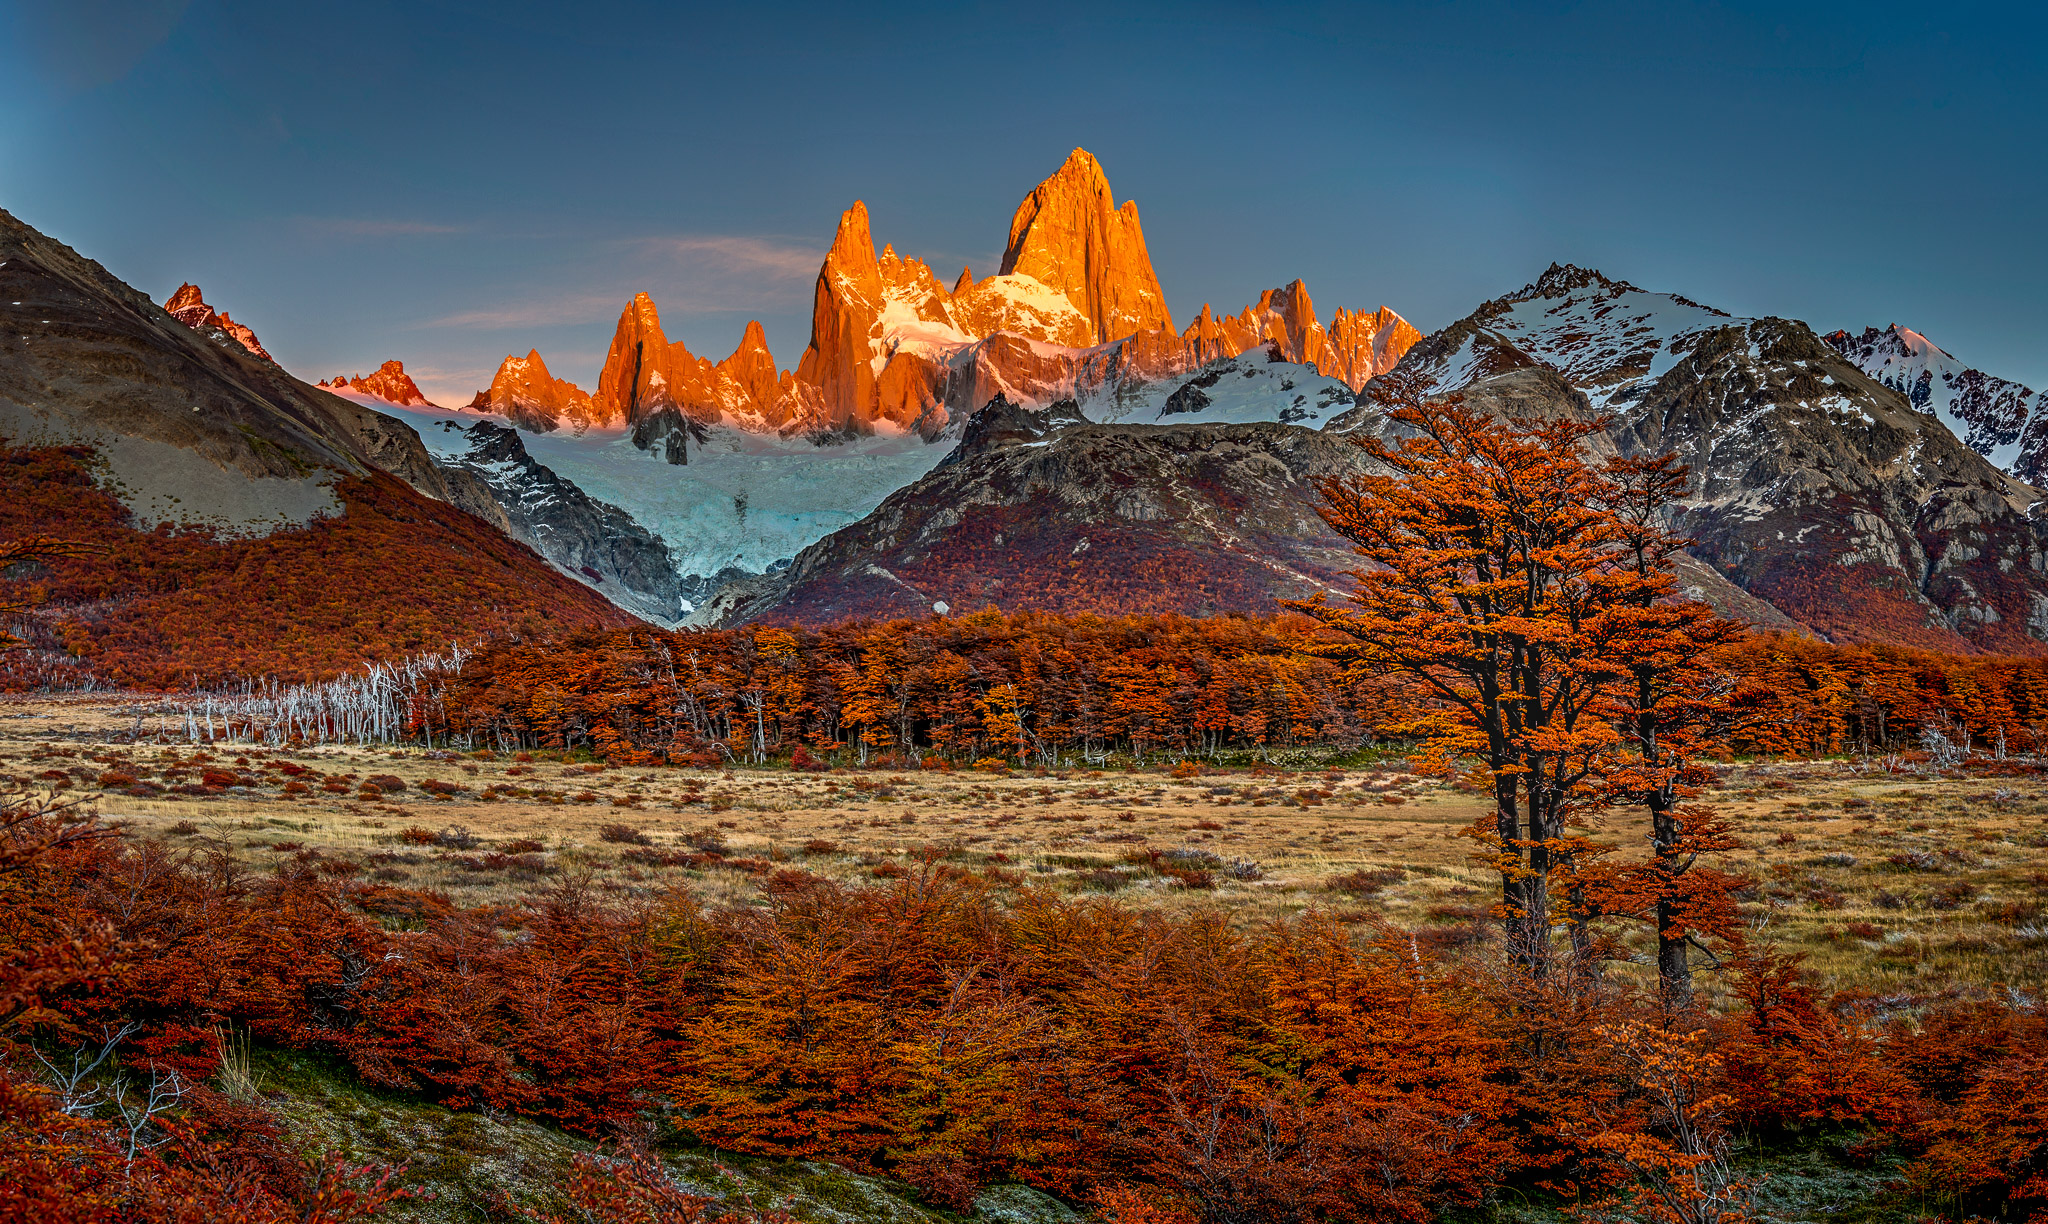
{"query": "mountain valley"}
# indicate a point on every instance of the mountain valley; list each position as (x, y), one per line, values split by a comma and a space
(1047, 438)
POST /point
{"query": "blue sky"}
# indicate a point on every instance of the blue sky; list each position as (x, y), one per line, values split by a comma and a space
(447, 183)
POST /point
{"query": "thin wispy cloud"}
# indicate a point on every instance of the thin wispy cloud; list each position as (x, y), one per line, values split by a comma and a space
(375, 227)
(553, 312)
(759, 258)
(686, 274)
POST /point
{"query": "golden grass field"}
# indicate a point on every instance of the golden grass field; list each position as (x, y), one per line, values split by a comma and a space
(1901, 885)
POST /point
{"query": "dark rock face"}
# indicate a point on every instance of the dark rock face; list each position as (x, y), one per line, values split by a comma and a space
(668, 430)
(587, 539)
(1814, 487)
(1189, 398)
(1001, 423)
(191, 428)
(1092, 518)
(1824, 493)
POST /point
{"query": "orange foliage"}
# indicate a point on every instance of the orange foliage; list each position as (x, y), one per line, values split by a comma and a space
(1522, 601)
(396, 573)
(1167, 1067)
(1792, 1062)
(985, 685)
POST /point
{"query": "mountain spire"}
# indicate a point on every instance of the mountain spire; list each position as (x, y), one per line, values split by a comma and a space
(1070, 235)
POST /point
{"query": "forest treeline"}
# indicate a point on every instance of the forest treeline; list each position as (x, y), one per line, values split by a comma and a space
(1037, 686)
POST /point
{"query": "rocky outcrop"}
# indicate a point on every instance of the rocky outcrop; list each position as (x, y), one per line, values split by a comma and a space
(1001, 423)
(591, 541)
(524, 393)
(389, 383)
(188, 306)
(666, 430)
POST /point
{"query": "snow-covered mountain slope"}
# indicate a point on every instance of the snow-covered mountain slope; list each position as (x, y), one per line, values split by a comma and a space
(1247, 389)
(1615, 341)
(1610, 339)
(1999, 419)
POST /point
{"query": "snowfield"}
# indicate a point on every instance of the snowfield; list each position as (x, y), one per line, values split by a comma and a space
(1996, 417)
(1242, 390)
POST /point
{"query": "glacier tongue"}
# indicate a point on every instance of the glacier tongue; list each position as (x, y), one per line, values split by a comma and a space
(744, 502)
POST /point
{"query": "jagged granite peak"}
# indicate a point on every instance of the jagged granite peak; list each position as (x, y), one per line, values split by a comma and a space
(637, 378)
(1358, 347)
(1362, 345)
(1290, 317)
(525, 393)
(846, 306)
(1070, 235)
(2001, 420)
(752, 367)
(188, 306)
(1075, 313)
(646, 375)
(389, 382)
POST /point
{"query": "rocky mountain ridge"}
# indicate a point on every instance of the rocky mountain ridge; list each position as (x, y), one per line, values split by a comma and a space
(1074, 312)
(244, 521)
(2001, 420)
(1815, 487)
(192, 420)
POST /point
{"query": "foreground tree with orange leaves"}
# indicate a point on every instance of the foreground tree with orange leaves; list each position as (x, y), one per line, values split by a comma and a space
(1522, 598)
(1672, 708)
